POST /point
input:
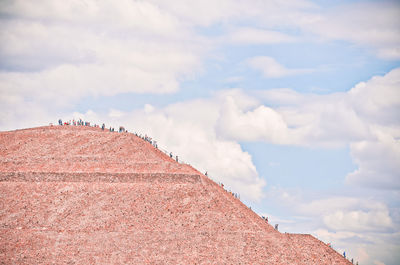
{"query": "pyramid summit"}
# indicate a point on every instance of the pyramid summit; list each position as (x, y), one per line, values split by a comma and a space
(81, 195)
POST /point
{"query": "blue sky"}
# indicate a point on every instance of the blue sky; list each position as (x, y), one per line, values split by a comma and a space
(293, 104)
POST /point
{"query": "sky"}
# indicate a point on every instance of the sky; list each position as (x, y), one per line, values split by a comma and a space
(295, 104)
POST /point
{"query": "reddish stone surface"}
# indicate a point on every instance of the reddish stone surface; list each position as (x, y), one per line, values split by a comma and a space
(79, 195)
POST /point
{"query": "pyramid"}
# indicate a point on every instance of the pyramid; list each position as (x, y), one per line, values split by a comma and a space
(80, 195)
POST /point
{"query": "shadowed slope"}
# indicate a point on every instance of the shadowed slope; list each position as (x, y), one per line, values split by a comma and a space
(80, 195)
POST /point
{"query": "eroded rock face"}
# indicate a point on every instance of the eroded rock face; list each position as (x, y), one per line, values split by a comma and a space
(80, 195)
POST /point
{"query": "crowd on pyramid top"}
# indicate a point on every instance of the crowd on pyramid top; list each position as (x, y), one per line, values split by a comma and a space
(121, 129)
(80, 122)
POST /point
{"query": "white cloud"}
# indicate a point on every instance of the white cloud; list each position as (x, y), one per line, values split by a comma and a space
(113, 113)
(333, 204)
(364, 118)
(378, 163)
(310, 121)
(247, 35)
(377, 102)
(148, 108)
(16, 114)
(260, 123)
(96, 47)
(208, 12)
(140, 15)
(362, 255)
(372, 24)
(233, 79)
(270, 68)
(366, 248)
(358, 220)
(359, 23)
(55, 53)
(329, 237)
(361, 225)
(349, 214)
(378, 99)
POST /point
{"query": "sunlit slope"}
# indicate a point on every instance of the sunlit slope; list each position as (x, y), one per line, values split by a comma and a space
(80, 195)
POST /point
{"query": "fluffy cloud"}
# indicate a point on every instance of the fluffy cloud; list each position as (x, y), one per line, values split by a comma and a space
(378, 100)
(347, 214)
(370, 247)
(270, 68)
(260, 123)
(358, 220)
(378, 163)
(140, 15)
(362, 225)
(246, 35)
(362, 24)
(117, 44)
(359, 23)
(208, 12)
(308, 120)
(364, 118)
(55, 53)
